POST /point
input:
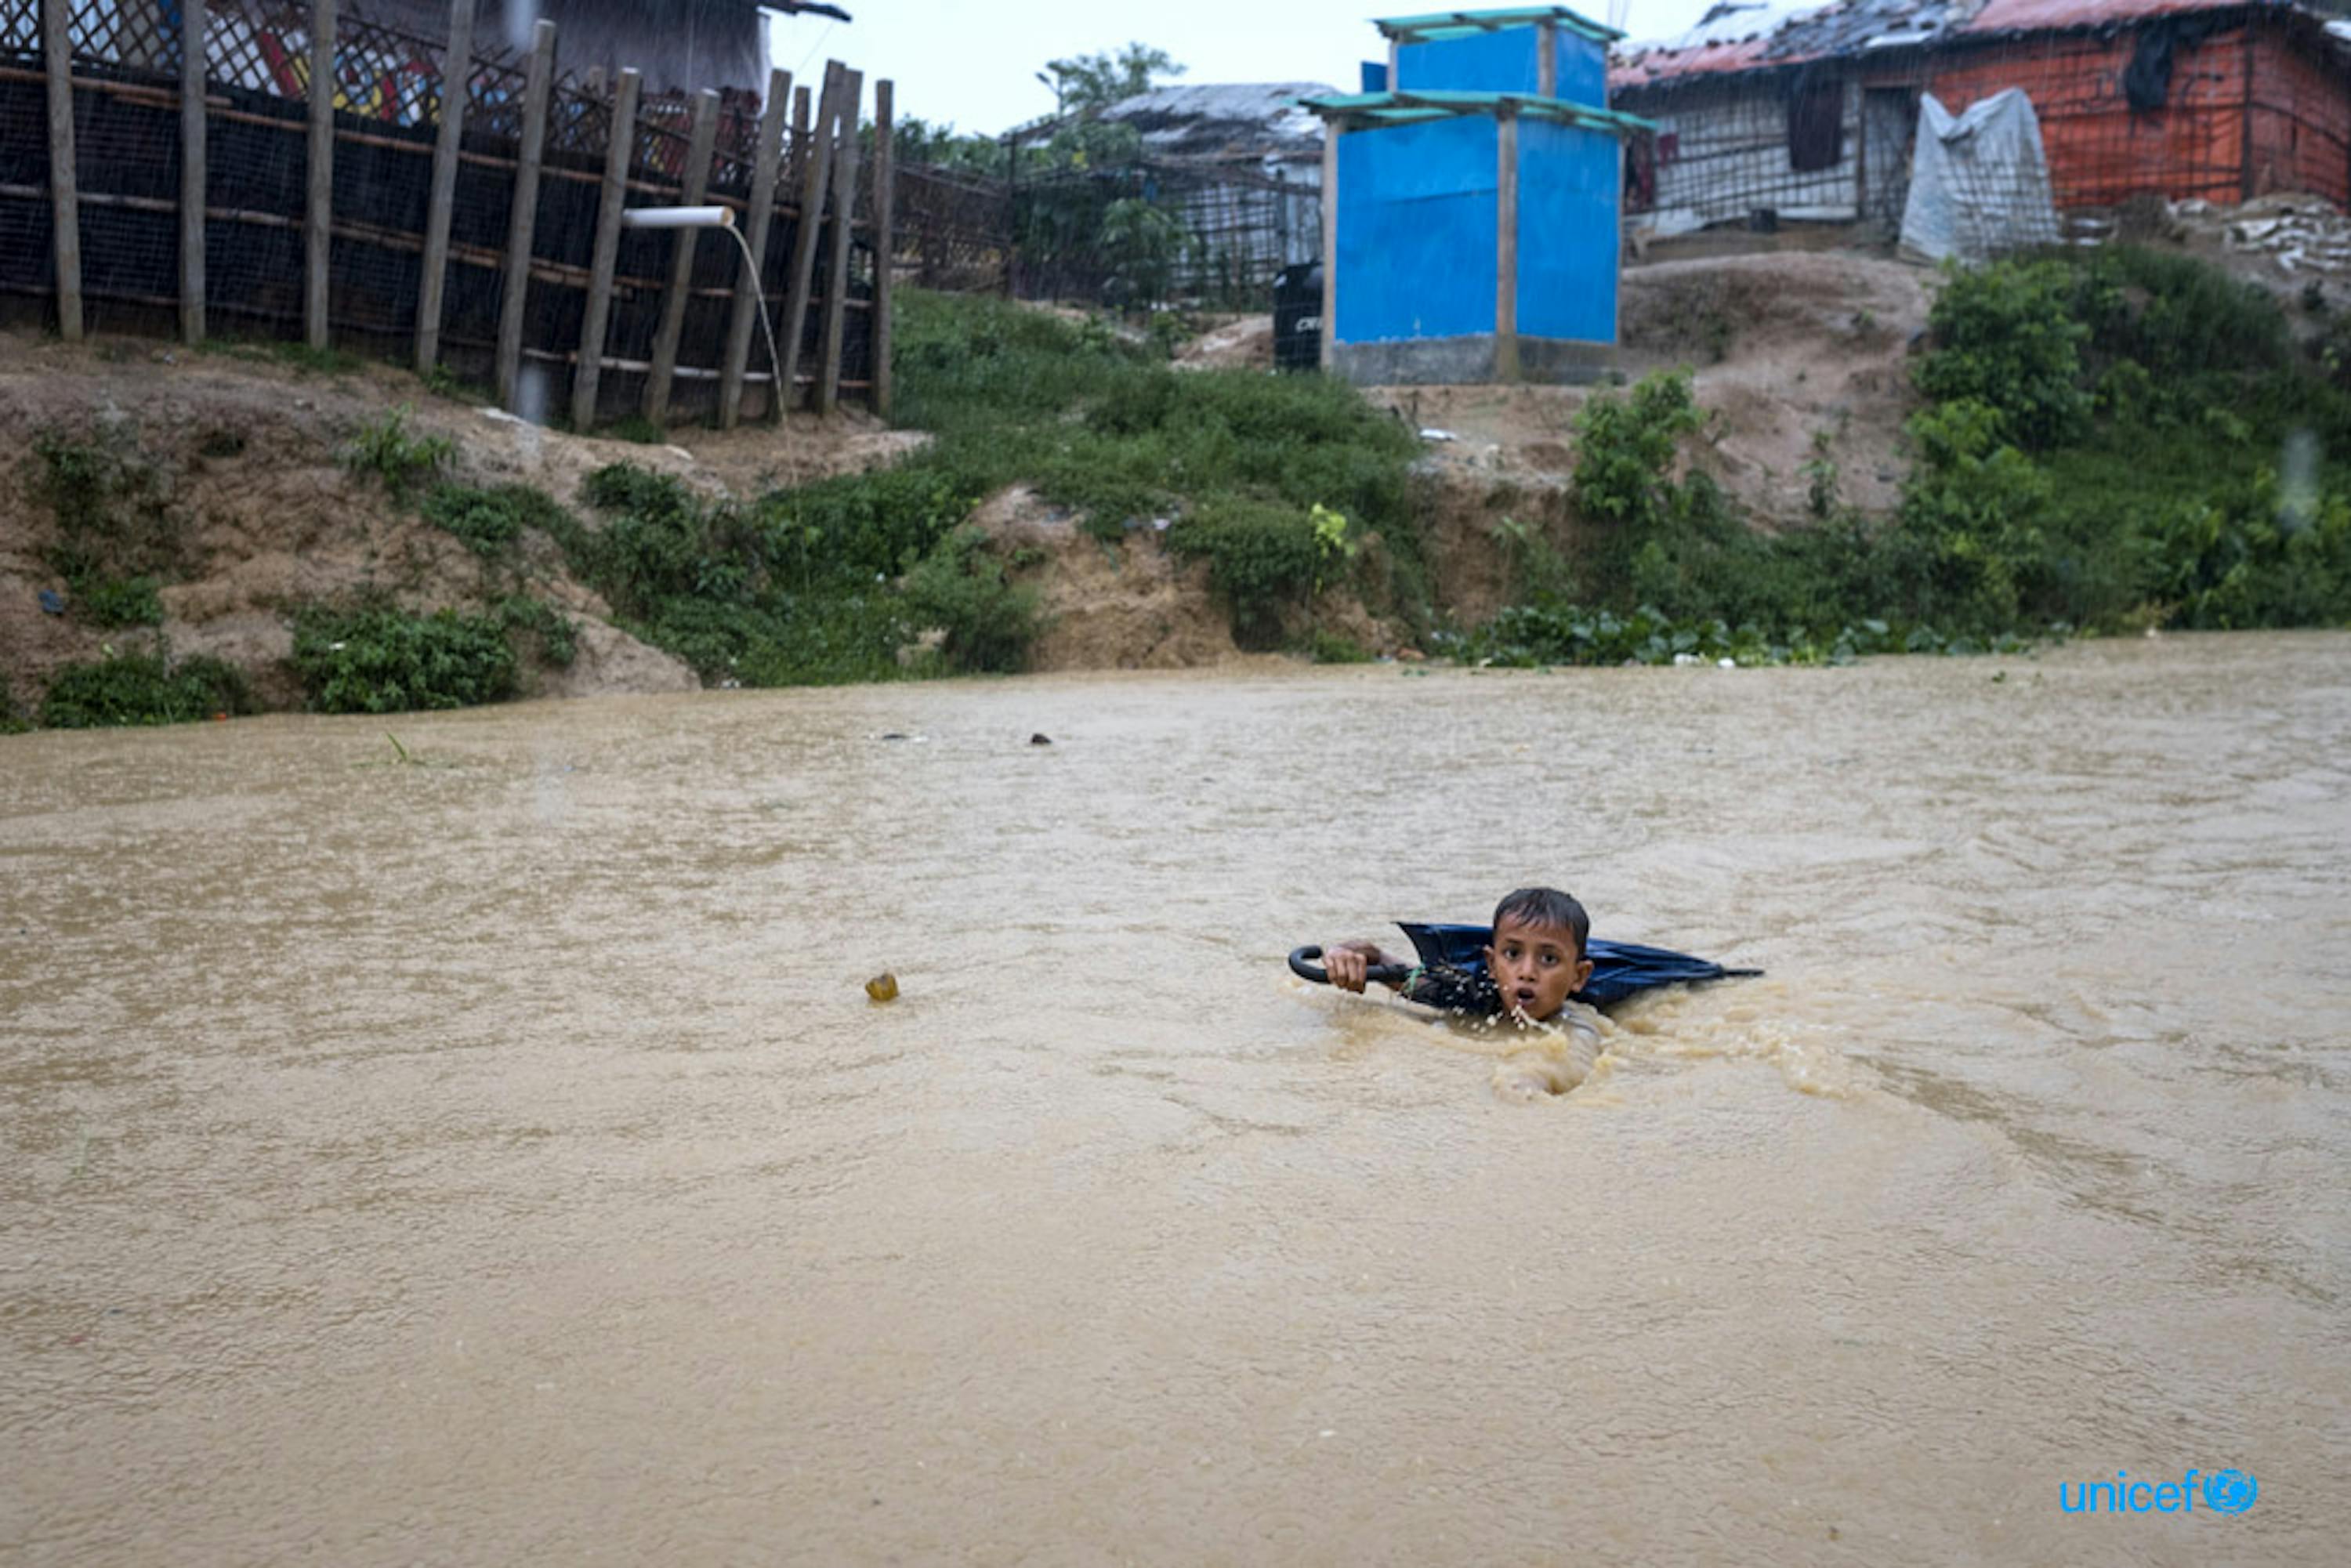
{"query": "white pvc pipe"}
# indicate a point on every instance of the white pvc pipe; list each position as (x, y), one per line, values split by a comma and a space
(677, 217)
(717, 218)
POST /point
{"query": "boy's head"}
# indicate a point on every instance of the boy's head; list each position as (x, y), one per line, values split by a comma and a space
(1537, 955)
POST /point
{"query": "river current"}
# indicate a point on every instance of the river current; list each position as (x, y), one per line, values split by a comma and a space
(483, 1150)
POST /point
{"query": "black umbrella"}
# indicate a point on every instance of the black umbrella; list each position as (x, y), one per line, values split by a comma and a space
(1451, 974)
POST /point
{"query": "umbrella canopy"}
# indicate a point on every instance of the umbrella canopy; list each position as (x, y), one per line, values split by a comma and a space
(1453, 960)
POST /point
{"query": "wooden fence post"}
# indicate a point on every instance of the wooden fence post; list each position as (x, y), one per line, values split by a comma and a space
(619, 154)
(700, 144)
(524, 219)
(844, 224)
(752, 281)
(318, 211)
(813, 187)
(1329, 201)
(885, 236)
(193, 15)
(457, 78)
(64, 199)
(1505, 244)
(801, 110)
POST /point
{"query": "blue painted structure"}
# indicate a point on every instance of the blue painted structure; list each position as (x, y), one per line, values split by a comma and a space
(1508, 61)
(1475, 231)
(1418, 236)
(1567, 280)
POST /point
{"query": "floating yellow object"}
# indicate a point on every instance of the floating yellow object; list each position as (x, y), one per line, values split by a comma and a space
(882, 988)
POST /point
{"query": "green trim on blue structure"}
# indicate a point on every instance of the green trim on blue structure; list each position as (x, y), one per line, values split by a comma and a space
(1461, 24)
(1408, 108)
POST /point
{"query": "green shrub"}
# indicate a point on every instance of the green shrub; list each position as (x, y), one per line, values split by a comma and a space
(1330, 648)
(557, 639)
(2177, 315)
(488, 522)
(960, 589)
(784, 640)
(2332, 352)
(116, 542)
(111, 602)
(1625, 448)
(1968, 550)
(2254, 559)
(973, 363)
(820, 581)
(2006, 337)
(851, 530)
(375, 659)
(658, 542)
(1262, 559)
(142, 689)
(386, 451)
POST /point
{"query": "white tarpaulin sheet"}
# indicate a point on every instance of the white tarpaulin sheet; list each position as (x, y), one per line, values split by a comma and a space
(1978, 183)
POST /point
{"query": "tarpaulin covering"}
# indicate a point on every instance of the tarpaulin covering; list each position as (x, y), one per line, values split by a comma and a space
(1978, 183)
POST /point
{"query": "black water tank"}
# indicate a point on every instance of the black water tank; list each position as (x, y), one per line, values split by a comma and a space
(1298, 316)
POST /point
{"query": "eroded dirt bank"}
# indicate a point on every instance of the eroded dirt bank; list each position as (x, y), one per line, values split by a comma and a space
(235, 459)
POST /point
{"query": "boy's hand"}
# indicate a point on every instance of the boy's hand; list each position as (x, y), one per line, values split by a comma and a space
(1347, 963)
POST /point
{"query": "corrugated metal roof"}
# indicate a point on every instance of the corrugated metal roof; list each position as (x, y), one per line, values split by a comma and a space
(1230, 120)
(1460, 24)
(1754, 35)
(2048, 15)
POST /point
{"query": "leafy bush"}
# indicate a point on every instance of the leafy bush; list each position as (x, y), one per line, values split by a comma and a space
(115, 602)
(2255, 558)
(2103, 448)
(488, 522)
(1143, 244)
(2332, 352)
(657, 542)
(2177, 315)
(853, 530)
(2006, 337)
(784, 640)
(960, 589)
(1262, 559)
(1625, 448)
(967, 362)
(1968, 549)
(543, 623)
(376, 659)
(1330, 648)
(385, 450)
(142, 689)
(824, 582)
(782, 594)
(116, 541)
(1536, 635)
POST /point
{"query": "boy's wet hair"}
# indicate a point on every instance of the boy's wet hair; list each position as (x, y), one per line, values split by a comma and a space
(1546, 906)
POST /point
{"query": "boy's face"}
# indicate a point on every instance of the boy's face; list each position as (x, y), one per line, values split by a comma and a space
(1536, 966)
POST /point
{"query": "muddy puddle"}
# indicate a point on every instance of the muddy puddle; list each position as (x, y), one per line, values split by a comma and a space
(493, 1157)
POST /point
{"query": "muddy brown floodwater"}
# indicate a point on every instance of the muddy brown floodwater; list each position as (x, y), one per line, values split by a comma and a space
(495, 1158)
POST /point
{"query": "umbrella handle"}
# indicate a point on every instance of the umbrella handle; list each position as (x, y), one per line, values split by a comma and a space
(1302, 964)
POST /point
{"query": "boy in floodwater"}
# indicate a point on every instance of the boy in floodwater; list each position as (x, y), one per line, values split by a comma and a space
(1536, 960)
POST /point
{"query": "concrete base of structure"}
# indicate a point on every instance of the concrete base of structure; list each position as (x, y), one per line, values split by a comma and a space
(1469, 362)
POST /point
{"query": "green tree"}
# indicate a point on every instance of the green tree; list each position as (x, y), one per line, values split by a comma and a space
(1145, 243)
(1090, 81)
